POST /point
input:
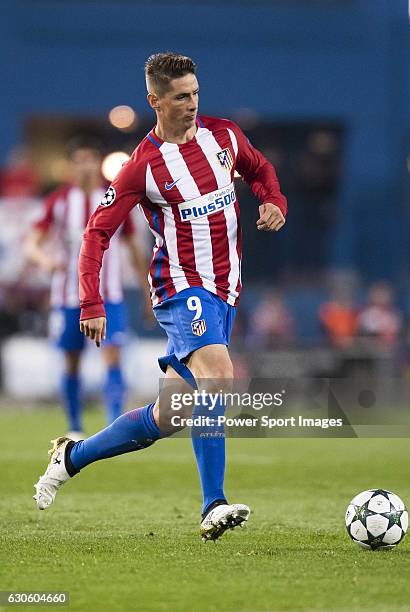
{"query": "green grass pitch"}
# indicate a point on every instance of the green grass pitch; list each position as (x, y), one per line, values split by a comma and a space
(123, 535)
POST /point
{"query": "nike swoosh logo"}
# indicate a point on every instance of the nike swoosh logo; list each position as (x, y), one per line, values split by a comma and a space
(169, 186)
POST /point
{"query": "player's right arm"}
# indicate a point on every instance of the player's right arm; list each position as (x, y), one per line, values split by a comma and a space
(127, 189)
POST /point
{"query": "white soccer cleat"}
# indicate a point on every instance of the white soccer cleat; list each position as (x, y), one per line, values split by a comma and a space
(55, 475)
(75, 435)
(221, 518)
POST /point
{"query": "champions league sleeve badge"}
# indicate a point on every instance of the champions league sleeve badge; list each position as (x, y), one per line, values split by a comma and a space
(109, 197)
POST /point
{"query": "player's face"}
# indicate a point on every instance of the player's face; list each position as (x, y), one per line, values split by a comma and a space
(85, 165)
(179, 105)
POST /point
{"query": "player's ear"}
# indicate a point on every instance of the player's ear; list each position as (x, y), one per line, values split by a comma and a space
(153, 101)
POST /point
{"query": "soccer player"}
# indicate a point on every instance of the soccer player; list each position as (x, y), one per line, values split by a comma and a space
(65, 216)
(181, 175)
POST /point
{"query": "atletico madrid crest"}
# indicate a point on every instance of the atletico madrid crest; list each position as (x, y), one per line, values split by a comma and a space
(198, 327)
(225, 158)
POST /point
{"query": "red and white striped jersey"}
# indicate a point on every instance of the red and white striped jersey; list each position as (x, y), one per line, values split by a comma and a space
(187, 195)
(67, 211)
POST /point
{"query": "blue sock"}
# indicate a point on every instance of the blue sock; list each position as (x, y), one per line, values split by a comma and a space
(114, 393)
(71, 397)
(209, 448)
(132, 431)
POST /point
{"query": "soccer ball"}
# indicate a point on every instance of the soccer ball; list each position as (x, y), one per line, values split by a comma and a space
(377, 519)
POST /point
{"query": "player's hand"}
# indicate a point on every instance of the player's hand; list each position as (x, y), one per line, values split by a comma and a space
(95, 329)
(271, 218)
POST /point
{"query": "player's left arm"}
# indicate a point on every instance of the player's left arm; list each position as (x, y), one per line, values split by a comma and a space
(260, 175)
(271, 218)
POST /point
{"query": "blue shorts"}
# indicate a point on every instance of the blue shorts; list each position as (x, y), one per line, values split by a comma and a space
(65, 327)
(191, 319)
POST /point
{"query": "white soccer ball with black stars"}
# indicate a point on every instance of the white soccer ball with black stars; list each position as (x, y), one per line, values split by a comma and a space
(377, 519)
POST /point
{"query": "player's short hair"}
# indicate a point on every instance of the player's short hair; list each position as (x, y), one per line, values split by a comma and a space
(161, 68)
(83, 141)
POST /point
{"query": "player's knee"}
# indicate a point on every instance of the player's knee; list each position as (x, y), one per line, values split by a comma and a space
(164, 414)
(225, 371)
(72, 363)
(212, 367)
(216, 377)
(217, 384)
(111, 356)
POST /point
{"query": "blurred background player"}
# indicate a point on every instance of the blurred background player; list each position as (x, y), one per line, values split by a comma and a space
(379, 319)
(65, 216)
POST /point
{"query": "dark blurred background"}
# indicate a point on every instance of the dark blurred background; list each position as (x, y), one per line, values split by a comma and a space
(321, 87)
